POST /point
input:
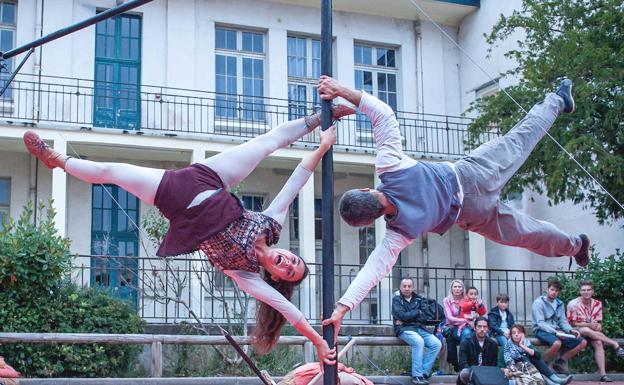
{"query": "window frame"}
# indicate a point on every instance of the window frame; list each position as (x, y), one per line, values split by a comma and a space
(377, 69)
(5, 208)
(237, 99)
(297, 108)
(8, 95)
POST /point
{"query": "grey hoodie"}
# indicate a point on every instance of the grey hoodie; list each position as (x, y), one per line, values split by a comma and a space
(546, 318)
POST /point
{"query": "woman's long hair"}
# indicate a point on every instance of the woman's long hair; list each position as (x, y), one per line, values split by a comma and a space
(269, 322)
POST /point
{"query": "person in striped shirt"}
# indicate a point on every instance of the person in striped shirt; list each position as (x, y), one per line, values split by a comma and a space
(585, 314)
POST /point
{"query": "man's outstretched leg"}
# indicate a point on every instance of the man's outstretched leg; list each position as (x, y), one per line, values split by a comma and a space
(486, 170)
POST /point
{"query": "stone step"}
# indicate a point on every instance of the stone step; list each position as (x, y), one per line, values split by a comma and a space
(579, 379)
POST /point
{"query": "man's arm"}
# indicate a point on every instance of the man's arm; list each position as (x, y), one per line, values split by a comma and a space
(539, 319)
(386, 132)
(464, 354)
(563, 321)
(377, 266)
(399, 313)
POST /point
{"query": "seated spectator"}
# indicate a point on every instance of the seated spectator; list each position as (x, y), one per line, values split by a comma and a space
(500, 319)
(585, 313)
(305, 373)
(8, 375)
(524, 362)
(478, 350)
(407, 318)
(454, 325)
(472, 306)
(551, 327)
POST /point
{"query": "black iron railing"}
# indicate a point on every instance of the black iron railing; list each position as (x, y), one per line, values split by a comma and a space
(176, 111)
(171, 290)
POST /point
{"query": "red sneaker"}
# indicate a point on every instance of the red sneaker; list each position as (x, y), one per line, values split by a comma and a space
(43, 152)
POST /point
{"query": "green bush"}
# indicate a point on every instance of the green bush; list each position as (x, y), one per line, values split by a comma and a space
(607, 276)
(37, 297)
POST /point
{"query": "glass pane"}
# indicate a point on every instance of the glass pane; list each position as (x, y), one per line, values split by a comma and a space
(357, 54)
(230, 39)
(392, 101)
(8, 13)
(96, 221)
(392, 83)
(390, 57)
(247, 68)
(135, 52)
(220, 38)
(316, 59)
(5, 187)
(368, 81)
(6, 38)
(135, 28)
(231, 68)
(381, 82)
(381, 57)
(220, 65)
(125, 27)
(258, 70)
(97, 196)
(258, 42)
(367, 55)
(100, 45)
(247, 42)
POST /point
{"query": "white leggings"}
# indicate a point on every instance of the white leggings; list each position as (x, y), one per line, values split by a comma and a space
(232, 165)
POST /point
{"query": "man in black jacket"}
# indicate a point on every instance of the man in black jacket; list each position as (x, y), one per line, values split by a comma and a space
(478, 350)
(407, 314)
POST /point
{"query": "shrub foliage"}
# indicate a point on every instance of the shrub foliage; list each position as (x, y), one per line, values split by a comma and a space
(37, 297)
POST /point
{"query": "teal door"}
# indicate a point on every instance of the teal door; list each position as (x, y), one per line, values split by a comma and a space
(115, 242)
(117, 87)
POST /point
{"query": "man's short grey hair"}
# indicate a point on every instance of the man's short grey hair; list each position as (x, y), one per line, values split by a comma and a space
(360, 208)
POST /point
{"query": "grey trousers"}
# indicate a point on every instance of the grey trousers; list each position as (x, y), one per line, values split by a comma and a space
(484, 173)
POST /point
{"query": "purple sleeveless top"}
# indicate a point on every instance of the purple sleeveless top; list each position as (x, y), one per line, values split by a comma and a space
(233, 248)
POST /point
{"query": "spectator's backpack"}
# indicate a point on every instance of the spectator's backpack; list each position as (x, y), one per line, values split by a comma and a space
(432, 311)
(487, 375)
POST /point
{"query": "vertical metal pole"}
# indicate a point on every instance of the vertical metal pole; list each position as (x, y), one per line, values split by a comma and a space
(331, 374)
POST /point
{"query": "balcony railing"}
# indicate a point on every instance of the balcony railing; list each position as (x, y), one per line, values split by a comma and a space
(166, 291)
(175, 111)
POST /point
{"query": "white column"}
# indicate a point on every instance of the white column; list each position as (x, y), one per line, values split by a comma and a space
(385, 285)
(307, 248)
(476, 255)
(59, 190)
(195, 281)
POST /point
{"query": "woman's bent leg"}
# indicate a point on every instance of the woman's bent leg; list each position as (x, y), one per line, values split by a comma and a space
(237, 163)
(140, 181)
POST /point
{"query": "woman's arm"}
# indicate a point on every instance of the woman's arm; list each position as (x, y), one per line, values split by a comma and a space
(279, 207)
(252, 284)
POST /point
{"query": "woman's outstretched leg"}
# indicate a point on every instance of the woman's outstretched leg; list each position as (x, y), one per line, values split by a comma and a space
(237, 163)
(141, 181)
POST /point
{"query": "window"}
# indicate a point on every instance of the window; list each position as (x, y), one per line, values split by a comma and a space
(239, 70)
(375, 73)
(253, 202)
(5, 200)
(8, 22)
(304, 69)
(366, 242)
(488, 89)
(294, 219)
(117, 101)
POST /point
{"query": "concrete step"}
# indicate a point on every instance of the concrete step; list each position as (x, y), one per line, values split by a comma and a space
(378, 380)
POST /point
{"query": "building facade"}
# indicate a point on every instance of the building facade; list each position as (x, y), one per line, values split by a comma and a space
(177, 81)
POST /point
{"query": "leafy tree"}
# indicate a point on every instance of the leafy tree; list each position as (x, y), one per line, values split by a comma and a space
(581, 40)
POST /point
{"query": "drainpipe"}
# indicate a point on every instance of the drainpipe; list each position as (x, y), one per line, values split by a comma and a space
(425, 253)
(419, 71)
(38, 58)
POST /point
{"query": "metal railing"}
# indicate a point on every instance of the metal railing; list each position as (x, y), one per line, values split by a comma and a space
(179, 289)
(177, 111)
